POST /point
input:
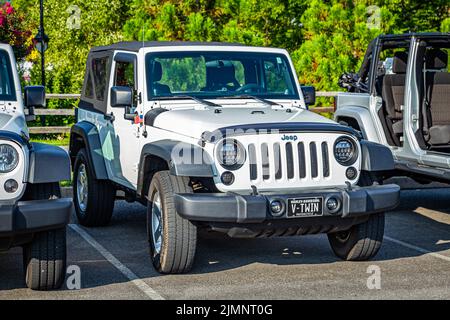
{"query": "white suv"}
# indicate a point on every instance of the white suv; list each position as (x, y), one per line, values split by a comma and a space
(218, 136)
(31, 214)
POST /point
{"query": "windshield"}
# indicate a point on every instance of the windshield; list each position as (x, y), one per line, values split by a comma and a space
(219, 74)
(6, 83)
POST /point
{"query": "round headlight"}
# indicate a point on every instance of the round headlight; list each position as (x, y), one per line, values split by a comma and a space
(345, 151)
(9, 158)
(231, 154)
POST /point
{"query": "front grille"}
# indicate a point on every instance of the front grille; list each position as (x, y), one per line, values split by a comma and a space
(289, 161)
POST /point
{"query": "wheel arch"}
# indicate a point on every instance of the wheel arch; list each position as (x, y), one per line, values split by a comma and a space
(359, 117)
(85, 135)
(162, 155)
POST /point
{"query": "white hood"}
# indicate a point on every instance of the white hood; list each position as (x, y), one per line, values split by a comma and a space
(193, 122)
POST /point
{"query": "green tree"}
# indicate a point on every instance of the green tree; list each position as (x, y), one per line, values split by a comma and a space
(254, 22)
(416, 15)
(14, 31)
(73, 26)
(445, 25)
(336, 35)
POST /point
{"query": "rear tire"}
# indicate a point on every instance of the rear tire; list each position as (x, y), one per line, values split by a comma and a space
(172, 239)
(93, 199)
(361, 242)
(44, 258)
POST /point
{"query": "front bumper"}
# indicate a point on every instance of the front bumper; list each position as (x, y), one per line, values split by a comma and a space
(26, 217)
(244, 209)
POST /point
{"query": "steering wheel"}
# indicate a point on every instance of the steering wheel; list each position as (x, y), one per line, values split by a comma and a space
(250, 87)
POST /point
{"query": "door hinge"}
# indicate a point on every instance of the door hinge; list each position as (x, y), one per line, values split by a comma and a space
(109, 117)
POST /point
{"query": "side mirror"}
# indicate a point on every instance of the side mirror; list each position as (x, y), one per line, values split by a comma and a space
(309, 93)
(121, 97)
(34, 96)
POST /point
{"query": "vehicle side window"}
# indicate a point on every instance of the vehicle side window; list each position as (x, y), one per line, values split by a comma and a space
(100, 73)
(89, 90)
(124, 74)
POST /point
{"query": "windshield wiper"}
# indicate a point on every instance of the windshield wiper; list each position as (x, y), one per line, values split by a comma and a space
(247, 96)
(186, 97)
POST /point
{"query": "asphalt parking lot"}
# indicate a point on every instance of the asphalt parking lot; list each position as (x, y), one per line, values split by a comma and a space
(413, 263)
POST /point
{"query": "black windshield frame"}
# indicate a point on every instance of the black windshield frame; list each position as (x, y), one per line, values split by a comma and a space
(229, 55)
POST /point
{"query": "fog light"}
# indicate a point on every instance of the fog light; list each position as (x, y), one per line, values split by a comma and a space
(333, 205)
(227, 178)
(11, 186)
(351, 173)
(276, 207)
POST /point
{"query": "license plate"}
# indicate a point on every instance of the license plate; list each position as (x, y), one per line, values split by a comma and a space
(305, 207)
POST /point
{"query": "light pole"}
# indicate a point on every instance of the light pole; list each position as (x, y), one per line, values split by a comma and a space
(41, 41)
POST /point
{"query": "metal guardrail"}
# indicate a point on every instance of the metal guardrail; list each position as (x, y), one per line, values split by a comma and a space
(75, 96)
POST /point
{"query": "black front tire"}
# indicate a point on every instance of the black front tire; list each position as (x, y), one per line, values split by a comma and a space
(179, 236)
(100, 196)
(45, 260)
(361, 242)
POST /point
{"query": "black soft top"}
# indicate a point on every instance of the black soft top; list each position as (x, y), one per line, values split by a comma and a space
(415, 34)
(137, 45)
(397, 40)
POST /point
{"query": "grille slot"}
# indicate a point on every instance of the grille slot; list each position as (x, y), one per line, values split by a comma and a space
(301, 159)
(253, 164)
(265, 161)
(290, 161)
(325, 160)
(277, 162)
(314, 164)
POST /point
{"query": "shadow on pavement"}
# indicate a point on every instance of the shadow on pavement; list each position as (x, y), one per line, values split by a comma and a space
(126, 240)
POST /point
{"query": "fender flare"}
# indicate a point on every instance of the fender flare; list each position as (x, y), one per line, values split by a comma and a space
(48, 164)
(91, 139)
(167, 151)
(376, 157)
(364, 119)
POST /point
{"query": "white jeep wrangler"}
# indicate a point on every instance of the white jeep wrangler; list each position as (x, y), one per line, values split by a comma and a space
(218, 136)
(400, 98)
(31, 214)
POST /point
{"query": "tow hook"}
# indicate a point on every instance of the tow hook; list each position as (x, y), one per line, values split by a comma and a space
(349, 185)
(254, 191)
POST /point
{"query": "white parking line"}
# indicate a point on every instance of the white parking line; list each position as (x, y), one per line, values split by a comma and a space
(139, 283)
(419, 249)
